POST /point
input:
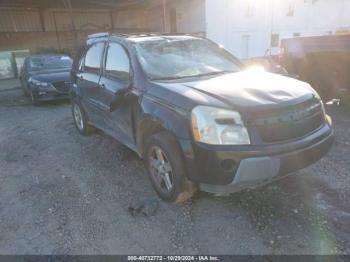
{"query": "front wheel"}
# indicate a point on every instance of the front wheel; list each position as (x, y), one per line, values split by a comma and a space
(80, 119)
(35, 102)
(166, 168)
(25, 91)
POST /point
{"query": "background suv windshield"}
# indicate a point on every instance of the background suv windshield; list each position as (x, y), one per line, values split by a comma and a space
(49, 62)
(169, 58)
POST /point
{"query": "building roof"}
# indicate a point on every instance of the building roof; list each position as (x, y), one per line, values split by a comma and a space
(95, 4)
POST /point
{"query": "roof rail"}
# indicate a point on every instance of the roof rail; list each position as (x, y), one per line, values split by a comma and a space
(98, 35)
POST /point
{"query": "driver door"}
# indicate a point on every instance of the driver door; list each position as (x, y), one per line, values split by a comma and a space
(115, 83)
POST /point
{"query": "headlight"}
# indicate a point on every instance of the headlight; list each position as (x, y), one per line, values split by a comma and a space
(38, 83)
(318, 97)
(218, 126)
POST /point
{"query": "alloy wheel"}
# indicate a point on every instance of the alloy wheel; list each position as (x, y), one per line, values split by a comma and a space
(161, 170)
(78, 117)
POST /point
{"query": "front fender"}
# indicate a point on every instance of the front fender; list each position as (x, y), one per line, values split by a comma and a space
(159, 116)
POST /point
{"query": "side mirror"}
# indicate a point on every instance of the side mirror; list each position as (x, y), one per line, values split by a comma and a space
(118, 97)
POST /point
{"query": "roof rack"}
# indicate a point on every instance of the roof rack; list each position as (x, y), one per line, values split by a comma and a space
(133, 34)
(98, 35)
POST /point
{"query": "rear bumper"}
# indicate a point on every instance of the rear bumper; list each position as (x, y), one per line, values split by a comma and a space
(224, 170)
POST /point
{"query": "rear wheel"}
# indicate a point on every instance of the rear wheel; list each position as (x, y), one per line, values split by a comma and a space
(166, 168)
(80, 119)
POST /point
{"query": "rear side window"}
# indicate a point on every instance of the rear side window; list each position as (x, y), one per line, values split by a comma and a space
(93, 57)
(117, 63)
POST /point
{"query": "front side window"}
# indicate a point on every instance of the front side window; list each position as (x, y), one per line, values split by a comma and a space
(173, 58)
(93, 57)
(117, 63)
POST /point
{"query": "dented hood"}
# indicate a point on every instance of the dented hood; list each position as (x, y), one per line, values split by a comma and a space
(255, 89)
(246, 89)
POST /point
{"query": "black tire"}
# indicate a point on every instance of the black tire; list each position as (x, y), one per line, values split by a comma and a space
(182, 188)
(35, 102)
(25, 92)
(83, 127)
(24, 89)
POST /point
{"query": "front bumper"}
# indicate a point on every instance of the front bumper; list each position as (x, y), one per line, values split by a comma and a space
(227, 169)
(48, 94)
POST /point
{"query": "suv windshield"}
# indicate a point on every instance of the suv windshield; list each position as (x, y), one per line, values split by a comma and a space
(172, 58)
(49, 62)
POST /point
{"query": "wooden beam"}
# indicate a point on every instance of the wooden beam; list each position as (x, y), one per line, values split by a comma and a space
(164, 15)
(42, 20)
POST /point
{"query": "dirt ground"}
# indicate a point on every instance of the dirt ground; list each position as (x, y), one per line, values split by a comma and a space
(61, 193)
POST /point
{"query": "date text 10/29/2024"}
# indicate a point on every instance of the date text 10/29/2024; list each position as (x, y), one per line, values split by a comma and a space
(173, 258)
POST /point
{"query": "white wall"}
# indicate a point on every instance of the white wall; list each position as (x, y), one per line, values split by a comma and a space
(241, 26)
(190, 16)
(244, 27)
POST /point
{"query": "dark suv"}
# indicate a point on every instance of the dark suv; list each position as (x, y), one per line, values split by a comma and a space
(185, 105)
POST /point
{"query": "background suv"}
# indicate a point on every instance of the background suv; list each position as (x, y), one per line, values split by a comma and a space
(187, 107)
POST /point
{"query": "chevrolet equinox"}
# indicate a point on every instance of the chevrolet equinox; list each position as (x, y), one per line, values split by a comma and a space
(194, 114)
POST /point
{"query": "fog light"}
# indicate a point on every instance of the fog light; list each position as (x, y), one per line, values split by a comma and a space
(228, 165)
(42, 93)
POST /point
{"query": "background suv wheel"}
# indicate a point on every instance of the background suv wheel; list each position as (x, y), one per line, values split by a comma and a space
(33, 99)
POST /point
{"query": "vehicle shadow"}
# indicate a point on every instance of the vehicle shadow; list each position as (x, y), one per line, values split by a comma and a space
(286, 211)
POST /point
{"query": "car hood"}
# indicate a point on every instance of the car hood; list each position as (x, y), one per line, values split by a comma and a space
(247, 89)
(51, 76)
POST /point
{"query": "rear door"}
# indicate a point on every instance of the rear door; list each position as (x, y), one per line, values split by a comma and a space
(88, 80)
(116, 77)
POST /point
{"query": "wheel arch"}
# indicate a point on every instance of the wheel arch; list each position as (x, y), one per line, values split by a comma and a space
(150, 125)
(158, 116)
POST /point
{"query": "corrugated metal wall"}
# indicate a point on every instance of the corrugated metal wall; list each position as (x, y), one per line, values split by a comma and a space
(36, 29)
(19, 21)
(28, 20)
(58, 19)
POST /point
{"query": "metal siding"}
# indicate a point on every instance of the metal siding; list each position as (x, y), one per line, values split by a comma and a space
(92, 20)
(5, 21)
(19, 21)
(134, 19)
(63, 21)
(84, 20)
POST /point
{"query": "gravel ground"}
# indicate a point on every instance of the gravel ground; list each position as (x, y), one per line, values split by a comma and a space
(61, 193)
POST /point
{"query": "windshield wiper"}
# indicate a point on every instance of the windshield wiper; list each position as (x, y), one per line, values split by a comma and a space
(200, 75)
(169, 78)
(213, 73)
